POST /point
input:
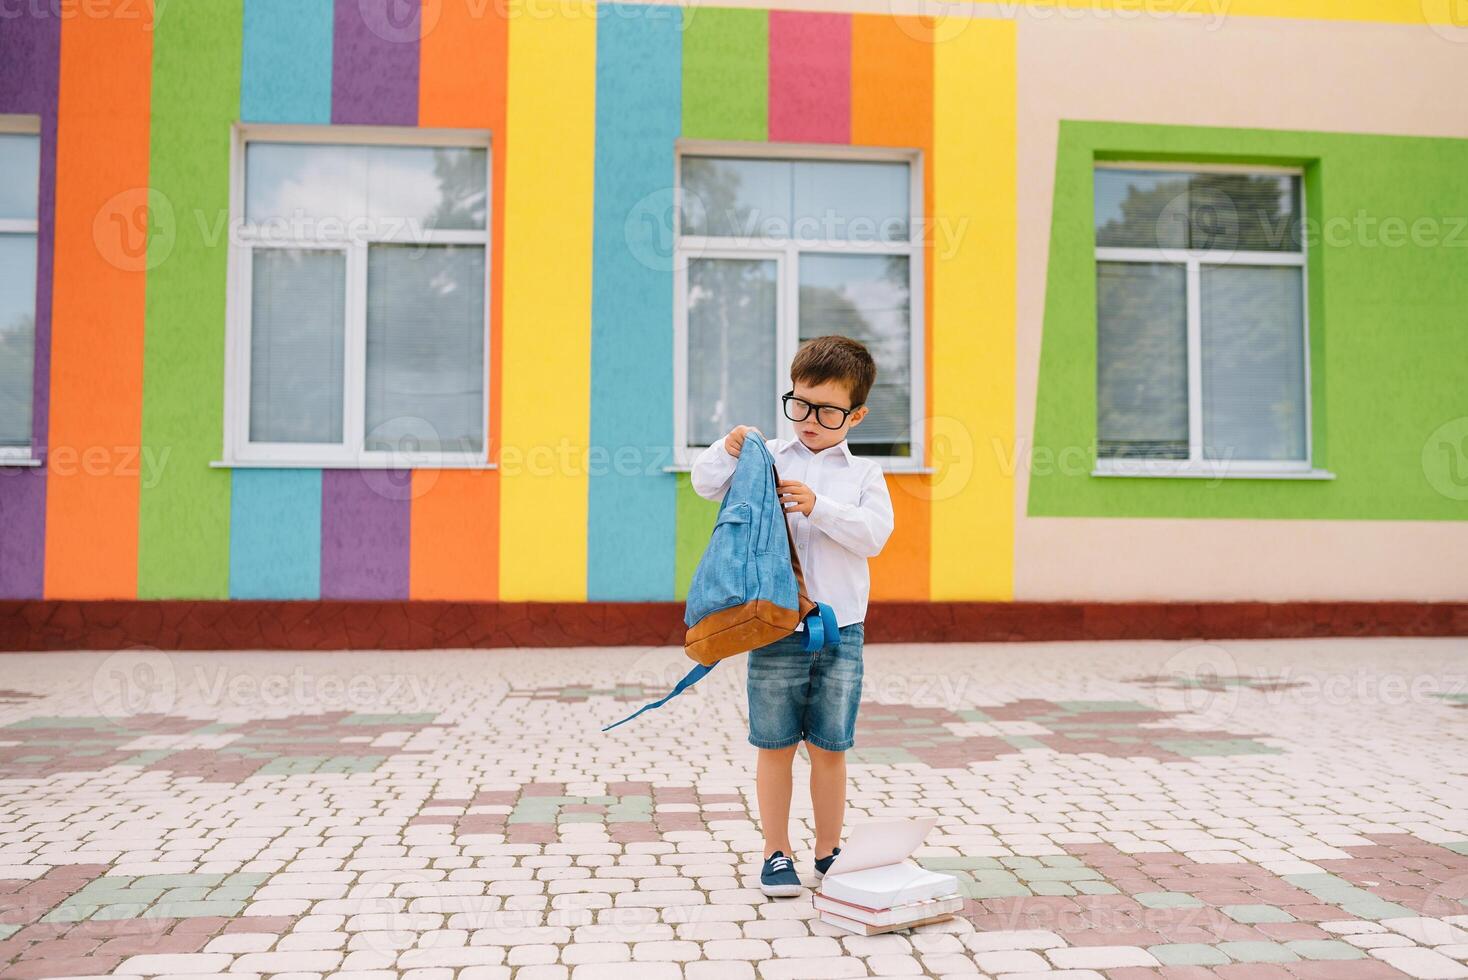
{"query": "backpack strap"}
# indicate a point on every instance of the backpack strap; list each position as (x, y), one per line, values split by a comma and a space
(821, 630)
(689, 679)
(804, 605)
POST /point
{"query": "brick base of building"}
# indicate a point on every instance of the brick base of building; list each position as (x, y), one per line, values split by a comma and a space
(186, 624)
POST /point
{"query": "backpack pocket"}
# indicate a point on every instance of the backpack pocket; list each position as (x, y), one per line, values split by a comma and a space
(720, 579)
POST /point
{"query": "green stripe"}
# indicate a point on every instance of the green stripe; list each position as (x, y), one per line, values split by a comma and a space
(726, 73)
(725, 96)
(183, 548)
(695, 524)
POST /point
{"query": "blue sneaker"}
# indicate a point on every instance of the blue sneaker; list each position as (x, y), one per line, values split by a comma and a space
(824, 864)
(777, 879)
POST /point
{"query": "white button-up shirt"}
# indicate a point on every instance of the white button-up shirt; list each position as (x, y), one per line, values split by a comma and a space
(849, 523)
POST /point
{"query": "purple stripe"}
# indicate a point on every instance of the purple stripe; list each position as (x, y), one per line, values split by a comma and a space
(365, 518)
(30, 50)
(23, 540)
(374, 71)
(28, 58)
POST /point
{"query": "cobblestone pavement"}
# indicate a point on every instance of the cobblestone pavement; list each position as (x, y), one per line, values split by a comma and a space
(1127, 810)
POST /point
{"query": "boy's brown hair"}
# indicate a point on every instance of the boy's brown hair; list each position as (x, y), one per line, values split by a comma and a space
(836, 358)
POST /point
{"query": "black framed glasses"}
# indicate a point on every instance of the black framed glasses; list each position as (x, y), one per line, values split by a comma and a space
(829, 416)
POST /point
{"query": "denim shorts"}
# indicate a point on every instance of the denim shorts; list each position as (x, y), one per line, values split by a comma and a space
(795, 696)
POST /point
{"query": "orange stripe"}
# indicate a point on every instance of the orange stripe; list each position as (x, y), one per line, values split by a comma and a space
(901, 571)
(454, 551)
(94, 463)
(891, 105)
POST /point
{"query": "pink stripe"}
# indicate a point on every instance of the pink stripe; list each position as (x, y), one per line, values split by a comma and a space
(810, 77)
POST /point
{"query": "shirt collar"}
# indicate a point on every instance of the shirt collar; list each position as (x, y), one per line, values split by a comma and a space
(795, 445)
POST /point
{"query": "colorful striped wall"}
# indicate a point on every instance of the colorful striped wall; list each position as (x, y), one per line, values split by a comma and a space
(584, 103)
(584, 109)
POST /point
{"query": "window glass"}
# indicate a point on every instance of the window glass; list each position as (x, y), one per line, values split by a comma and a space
(320, 188)
(20, 175)
(1178, 209)
(736, 197)
(1142, 360)
(297, 331)
(1253, 363)
(865, 297)
(425, 348)
(808, 200)
(731, 349)
(17, 337)
(841, 200)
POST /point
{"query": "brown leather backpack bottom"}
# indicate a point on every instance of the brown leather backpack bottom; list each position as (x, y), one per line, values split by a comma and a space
(738, 629)
(749, 625)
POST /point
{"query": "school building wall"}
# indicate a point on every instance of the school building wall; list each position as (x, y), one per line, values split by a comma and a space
(1009, 106)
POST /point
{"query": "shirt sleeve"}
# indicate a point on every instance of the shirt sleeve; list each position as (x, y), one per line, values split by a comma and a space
(862, 528)
(712, 471)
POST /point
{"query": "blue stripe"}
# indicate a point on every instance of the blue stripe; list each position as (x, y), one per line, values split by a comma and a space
(275, 515)
(275, 534)
(286, 73)
(632, 529)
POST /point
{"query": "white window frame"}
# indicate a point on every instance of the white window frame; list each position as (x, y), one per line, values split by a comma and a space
(787, 252)
(1192, 261)
(23, 125)
(244, 238)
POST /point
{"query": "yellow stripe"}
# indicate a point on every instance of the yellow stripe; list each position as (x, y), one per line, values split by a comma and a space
(973, 323)
(546, 404)
(1379, 11)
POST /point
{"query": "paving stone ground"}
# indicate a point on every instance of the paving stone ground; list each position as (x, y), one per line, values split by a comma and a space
(1124, 810)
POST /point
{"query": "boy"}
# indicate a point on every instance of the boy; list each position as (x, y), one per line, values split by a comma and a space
(840, 515)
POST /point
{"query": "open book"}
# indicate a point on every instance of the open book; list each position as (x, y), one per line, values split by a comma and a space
(874, 883)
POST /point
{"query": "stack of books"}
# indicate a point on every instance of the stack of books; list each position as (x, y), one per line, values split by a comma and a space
(873, 888)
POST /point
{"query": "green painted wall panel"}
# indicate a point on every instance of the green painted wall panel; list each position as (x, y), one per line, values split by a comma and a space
(183, 548)
(726, 73)
(695, 524)
(1386, 315)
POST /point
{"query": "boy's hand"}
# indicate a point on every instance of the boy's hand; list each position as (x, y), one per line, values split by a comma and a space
(796, 496)
(734, 441)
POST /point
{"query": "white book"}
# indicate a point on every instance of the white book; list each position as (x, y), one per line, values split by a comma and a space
(897, 915)
(864, 929)
(873, 871)
(888, 885)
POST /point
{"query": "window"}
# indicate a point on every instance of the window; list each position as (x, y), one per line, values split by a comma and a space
(773, 250)
(359, 312)
(20, 181)
(1202, 356)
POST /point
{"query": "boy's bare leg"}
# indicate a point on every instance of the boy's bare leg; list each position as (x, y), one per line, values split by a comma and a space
(827, 797)
(772, 787)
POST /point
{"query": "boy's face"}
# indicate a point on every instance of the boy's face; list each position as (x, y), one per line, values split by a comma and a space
(809, 431)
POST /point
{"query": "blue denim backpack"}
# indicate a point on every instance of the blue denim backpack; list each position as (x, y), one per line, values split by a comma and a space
(748, 589)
